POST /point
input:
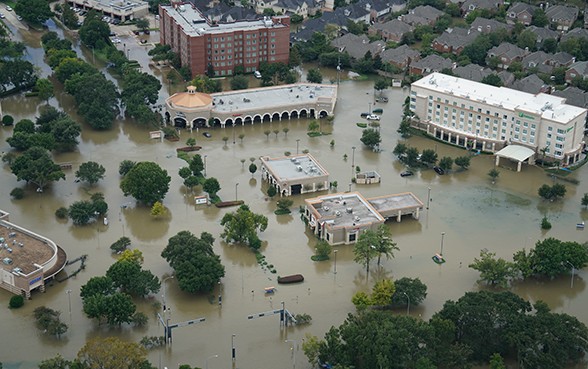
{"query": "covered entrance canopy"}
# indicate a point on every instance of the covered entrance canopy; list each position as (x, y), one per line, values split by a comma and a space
(516, 153)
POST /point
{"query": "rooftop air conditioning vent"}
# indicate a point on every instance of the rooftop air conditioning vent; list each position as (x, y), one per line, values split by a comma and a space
(338, 213)
(326, 208)
(349, 210)
(299, 168)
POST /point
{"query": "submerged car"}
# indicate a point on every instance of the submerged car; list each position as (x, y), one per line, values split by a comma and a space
(257, 74)
(439, 170)
(372, 117)
(207, 135)
(406, 173)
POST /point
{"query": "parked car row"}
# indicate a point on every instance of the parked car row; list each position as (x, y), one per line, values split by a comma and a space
(408, 173)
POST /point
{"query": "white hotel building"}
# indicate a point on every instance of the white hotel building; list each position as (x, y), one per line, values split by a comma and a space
(488, 118)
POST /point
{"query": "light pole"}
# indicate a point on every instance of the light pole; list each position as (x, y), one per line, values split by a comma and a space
(408, 306)
(293, 349)
(442, 237)
(297, 142)
(69, 301)
(163, 291)
(352, 160)
(205, 156)
(210, 357)
(571, 283)
(428, 198)
(370, 107)
(233, 133)
(349, 187)
(335, 252)
(233, 350)
(236, 186)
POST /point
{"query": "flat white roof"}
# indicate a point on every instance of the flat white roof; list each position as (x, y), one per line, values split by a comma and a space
(193, 23)
(295, 167)
(279, 97)
(344, 210)
(515, 152)
(547, 106)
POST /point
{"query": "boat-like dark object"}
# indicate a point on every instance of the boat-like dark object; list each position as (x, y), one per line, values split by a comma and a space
(294, 278)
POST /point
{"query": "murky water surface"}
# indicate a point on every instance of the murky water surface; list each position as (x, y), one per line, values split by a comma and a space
(472, 212)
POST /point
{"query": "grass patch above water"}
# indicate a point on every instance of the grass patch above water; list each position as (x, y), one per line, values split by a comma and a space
(517, 200)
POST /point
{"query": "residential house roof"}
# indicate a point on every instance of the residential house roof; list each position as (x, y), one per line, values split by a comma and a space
(562, 13)
(543, 33)
(456, 37)
(574, 96)
(489, 25)
(293, 5)
(356, 12)
(358, 46)
(223, 13)
(433, 63)
(580, 67)
(394, 26)
(507, 49)
(471, 5)
(400, 55)
(375, 5)
(473, 72)
(538, 59)
(575, 33)
(506, 77)
(517, 8)
(531, 84)
(422, 15)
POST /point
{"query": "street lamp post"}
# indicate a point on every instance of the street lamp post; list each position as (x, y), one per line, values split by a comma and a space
(236, 186)
(573, 272)
(352, 160)
(69, 300)
(205, 156)
(163, 291)
(233, 133)
(349, 187)
(335, 251)
(442, 237)
(428, 198)
(408, 306)
(233, 350)
(297, 142)
(293, 349)
(210, 357)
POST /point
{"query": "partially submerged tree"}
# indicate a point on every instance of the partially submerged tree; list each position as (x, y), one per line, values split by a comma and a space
(242, 227)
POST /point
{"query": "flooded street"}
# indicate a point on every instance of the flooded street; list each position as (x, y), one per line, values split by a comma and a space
(473, 213)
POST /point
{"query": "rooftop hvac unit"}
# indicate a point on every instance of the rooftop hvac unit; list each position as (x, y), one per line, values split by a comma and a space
(326, 208)
(17, 270)
(356, 219)
(293, 160)
(299, 168)
(338, 213)
(349, 210)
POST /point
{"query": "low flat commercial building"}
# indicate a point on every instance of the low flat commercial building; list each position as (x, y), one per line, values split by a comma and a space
(488, 118)
(122, 10)
(203, 45)
(340, 218)
(27, 259)
(293, 175)
(194, 109)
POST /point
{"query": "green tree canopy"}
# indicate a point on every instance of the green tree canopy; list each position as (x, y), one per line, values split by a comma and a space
(314, 76)
(493, 271)
(33, 11)
(36, 166)
(411, 287)
(551, 257)
(90, 172)
(211, 186)
(146, 182)
(111, 352)
(197, 267)
(371, 137)
(242, 226)
(129, 277)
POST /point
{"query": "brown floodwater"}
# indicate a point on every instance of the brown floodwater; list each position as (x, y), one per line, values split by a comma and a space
(473, 213)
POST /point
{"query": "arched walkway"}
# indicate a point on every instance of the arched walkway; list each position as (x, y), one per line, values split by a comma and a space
(180, 122)
(199, 123)
(276, 116)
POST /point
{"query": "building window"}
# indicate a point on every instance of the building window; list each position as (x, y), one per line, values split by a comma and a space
(352, 237)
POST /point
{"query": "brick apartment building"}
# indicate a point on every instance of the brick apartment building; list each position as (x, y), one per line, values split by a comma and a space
(225, 46)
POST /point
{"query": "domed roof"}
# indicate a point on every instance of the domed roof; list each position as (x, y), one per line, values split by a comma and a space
(190, 99)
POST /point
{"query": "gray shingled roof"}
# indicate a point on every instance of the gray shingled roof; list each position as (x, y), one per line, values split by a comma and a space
(489, 25)
(358, 46)
(400, 54)
(427, 12)
(531, 84)
(507, 49)
(433, 62)
(575, 33)
(394, 26)
(562, 13)
(581, 67)
(543, 33)
(481, 4)
(518, 8)
(457, 37)
(473, 72)
(574, 96)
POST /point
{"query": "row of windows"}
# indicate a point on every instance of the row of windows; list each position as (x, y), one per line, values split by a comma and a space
(240, 37)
